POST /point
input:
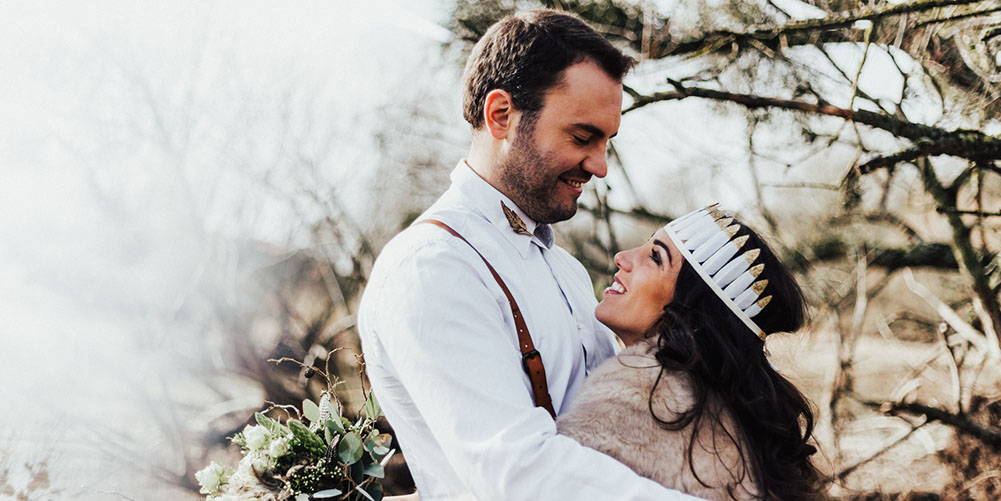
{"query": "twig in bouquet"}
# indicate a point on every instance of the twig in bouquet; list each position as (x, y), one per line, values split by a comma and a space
(278, 361)
(336, 381)
(360, 359)
(288, 415)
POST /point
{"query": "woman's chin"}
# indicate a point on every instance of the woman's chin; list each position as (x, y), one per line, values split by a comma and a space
(601, 312)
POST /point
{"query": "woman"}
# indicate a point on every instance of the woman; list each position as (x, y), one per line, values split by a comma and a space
(692, 402)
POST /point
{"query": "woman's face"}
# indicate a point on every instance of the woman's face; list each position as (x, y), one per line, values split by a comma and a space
(641, 289)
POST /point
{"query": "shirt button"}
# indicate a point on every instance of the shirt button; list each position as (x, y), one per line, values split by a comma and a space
(579, 326)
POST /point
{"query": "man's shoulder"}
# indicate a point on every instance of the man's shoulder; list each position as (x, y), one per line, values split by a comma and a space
(425, 249)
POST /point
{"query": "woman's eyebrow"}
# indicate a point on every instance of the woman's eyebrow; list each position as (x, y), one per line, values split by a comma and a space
(666, 249)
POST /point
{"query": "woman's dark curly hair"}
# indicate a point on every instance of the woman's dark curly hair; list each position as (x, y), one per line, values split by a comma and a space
(699, 336)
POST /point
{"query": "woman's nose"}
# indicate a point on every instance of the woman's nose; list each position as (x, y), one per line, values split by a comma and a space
(621, 261)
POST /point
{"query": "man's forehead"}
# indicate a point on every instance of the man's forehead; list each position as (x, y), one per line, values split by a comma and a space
(586, 98)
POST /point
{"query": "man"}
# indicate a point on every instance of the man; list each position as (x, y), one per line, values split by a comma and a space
(543, 95)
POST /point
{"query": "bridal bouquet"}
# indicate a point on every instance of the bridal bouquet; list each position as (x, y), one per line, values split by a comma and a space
(318, 454)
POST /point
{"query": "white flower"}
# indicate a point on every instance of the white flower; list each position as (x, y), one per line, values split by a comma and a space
(279, 447)
(260, 463)
(212, 477)
(256, 437)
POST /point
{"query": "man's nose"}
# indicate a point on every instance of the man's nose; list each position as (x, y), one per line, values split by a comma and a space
(596, 163)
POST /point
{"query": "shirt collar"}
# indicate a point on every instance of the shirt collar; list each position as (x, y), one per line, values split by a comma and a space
(480, 195)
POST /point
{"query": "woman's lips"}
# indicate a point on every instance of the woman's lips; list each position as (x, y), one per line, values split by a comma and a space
(616, 288)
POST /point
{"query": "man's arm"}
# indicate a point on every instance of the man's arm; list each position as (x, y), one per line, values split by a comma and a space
(444, 335)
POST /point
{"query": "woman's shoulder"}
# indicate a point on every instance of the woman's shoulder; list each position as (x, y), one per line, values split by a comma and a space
(614, 413)
(629, 378)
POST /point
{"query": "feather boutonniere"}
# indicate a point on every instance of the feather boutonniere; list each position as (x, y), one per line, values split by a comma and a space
(516, 223)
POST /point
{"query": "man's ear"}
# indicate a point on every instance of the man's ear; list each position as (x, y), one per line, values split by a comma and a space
(498, 113)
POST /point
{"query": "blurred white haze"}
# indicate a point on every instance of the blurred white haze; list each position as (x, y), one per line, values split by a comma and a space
(137, 139)
(142, 140)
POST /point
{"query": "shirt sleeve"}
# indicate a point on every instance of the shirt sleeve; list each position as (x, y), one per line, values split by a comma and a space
(440, 319)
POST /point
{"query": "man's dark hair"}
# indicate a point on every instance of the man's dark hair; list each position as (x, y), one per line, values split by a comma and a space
(525, 54)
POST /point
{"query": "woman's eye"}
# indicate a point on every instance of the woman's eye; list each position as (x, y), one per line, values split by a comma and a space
(655, 256)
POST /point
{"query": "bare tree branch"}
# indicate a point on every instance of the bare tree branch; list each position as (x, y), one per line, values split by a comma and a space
(717, 39)
(930, 141)
(946, 210)
(958, 17)
(989, 435)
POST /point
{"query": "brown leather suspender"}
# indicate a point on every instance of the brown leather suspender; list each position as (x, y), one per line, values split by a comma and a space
(530, 358)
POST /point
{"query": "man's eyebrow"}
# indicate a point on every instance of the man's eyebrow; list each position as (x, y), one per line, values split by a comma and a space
(593, 129)
(666, 249)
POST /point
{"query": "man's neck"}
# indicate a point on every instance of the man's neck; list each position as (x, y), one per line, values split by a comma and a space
(521, 213)
(482, 158)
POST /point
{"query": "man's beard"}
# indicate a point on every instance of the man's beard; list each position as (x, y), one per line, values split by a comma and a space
(531, 182)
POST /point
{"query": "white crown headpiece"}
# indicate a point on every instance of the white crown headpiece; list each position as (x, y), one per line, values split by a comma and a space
(705, 238)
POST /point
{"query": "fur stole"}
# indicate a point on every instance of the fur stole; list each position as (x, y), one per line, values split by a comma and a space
(611, 414)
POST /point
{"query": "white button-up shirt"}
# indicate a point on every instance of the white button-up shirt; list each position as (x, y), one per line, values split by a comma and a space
(442, 355)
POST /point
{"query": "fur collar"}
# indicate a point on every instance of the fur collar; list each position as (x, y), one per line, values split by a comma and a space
(611, 414)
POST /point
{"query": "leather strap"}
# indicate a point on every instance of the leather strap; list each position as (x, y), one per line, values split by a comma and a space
(531, 360)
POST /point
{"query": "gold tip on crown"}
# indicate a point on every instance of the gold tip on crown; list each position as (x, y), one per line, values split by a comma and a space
(717, 214)
(756, 270)
(711, 206)
(739, 241)
(759, 286)
(732, 230)
(723, 223)
(764, 301)
(751, 255)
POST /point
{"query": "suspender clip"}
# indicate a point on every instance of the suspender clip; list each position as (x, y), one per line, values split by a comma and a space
(525, 357)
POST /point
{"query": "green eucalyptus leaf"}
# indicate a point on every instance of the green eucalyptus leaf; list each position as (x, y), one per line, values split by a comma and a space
(378, 444)
(363, 492)
(327, 493)
(374, 491)
(375, 470)
(350, 449)
(311, 441)
(334, 426)
(356, 471)
(372, 408)
(385, 440)
(310, 410)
